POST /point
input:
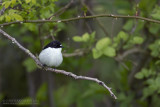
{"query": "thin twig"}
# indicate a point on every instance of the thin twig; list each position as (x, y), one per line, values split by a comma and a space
(112, 29)
(82, 17)
(14, 41)
(98, 21)
(60, 11)
(128, 52)
(120, 57)
(74, 54)
(2, 10)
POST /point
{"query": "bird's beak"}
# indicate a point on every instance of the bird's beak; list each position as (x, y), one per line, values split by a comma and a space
(61, 46)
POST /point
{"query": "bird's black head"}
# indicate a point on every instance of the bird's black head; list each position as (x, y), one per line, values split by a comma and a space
(54, 44)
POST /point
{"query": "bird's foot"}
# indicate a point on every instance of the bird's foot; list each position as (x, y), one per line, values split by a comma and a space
(44, 67)
(54, 69)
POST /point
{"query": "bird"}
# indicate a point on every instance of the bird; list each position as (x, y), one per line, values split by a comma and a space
(51, 54)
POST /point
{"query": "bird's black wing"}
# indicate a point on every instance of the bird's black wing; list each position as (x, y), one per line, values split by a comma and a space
(53, 44)
(48, 45)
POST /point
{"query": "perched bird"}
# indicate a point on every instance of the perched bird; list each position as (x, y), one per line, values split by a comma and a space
(51, 54)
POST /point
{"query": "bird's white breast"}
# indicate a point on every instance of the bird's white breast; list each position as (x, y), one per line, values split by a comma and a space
(51, 56)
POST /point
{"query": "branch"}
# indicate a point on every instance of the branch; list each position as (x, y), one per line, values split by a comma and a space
(82, 17)
(14, 41)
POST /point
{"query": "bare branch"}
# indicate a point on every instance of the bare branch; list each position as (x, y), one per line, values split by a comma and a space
(14, 41)
(82, 17)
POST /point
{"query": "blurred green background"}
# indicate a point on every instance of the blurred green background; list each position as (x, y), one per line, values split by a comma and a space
(122, 52)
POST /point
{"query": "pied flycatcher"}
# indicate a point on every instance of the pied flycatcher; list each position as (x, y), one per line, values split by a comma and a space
(51, 54)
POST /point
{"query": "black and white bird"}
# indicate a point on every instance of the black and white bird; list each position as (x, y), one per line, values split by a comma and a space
(51, 54)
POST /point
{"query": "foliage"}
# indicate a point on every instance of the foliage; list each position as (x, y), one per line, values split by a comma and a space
(154, 47)
(42, 93)
(1, 97)
(30, 65)
(85, 37)
(156, 13)
(103, 47)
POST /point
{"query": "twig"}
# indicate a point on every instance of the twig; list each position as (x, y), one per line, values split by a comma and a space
(14, 41)
(60, 11)
(127, 52)
(142, 59)
(73, 54)
(2, 10)
(82, 17)
(112, 29)
(98, 21)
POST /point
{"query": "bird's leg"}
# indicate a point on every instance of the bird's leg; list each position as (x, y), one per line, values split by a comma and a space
(44, 67)
(54, 68)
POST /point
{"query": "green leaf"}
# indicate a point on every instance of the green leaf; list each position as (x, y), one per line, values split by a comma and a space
(150, 81)
(12, 11)
(85, 37)
(20, 2)
(6, 4)
(77, 39)
(96, 53)
(31, 27)
(93, 35)
(144, 73)
(137, 40)
(128, 26)
(1, 97)
(157, 62)
(85, 103)
(102, 43)
(17, 17)
(29, 64)
(156, 13)
(121, 36)
(8, 18)
(154, 47)
(147, 92)
(157, 81)
(2, 17)
(33, 1)
(42, 92)
(45, 12)
(71, 95)
(84, 9)
(139, 75)
(154, 28)
(110, 51)
(94, 89)
(13, 2)
(27, 1)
